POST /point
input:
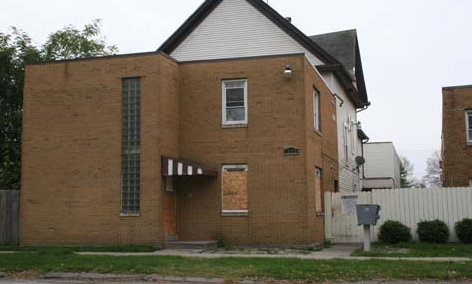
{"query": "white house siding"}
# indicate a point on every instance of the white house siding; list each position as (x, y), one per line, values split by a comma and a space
(349, 178)
(236, 29)
(381, 161)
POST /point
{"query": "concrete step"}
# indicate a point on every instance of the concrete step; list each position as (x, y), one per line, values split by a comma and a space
(191, 245)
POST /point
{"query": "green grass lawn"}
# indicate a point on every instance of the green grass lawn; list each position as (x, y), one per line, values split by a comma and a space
(235, 268)
(419, 250)
(70, 249)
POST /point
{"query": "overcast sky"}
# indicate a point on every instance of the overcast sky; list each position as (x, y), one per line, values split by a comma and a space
(410, 49)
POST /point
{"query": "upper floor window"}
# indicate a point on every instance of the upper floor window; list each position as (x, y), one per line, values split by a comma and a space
(235, 102)
(316, 110)
(468, 124)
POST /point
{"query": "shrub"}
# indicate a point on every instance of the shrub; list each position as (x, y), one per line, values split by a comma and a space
(394, 232)
(464, 230)
(435, 231)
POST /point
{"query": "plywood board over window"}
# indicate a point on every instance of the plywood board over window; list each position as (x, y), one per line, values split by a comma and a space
(234, 189)
(318, 201)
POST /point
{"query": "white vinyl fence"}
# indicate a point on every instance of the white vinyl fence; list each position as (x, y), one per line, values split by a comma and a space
(407, 205)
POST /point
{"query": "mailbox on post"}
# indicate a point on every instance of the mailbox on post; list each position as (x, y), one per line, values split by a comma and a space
(367, 215)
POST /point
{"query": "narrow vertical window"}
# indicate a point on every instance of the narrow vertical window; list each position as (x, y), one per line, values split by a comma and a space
(234, 189)
(468, 125)
(131, 138)
(234, 102)
(470, 182)
(316, 110)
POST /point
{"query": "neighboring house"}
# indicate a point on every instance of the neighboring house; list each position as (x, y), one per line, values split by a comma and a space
(457, 136)
(344, 46)
(382, 166)
(228, 130)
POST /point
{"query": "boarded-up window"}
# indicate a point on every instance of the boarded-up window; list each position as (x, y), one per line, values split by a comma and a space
(234, 188)
(318, 203)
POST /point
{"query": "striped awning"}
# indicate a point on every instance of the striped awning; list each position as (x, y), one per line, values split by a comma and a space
(172, 166)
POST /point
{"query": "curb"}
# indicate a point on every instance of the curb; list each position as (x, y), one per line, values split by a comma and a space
(155, 277)
(92, 276)
(128, 277)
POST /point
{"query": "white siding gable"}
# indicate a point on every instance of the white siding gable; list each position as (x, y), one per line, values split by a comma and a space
(236, 29)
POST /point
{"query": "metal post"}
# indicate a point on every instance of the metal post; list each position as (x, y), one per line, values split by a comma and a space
(366, 237)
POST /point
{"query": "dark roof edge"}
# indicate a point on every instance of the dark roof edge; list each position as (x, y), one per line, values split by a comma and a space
(189, 25)
(346, 81)
(209, 5)
(99, 58)
(457, 87)
(293, 31)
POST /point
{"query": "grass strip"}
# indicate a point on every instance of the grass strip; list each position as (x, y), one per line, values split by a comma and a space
(236, 268)
(418, 249)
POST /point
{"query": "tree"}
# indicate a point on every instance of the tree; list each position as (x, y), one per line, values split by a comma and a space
(406, 173)
(16, 48)
(432, 178)
(71, 43)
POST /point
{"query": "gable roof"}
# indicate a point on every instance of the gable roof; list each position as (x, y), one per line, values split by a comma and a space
(330, 61)
(341, 45)
(209, 5)
(344, 46)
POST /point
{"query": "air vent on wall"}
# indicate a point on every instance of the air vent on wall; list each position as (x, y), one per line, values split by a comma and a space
(291, 151)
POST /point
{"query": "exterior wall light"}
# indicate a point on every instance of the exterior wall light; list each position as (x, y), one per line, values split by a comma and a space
(288, 71)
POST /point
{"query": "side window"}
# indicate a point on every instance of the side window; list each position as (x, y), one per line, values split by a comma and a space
(316, 110)
(234, 189)
(468, 125)
(234, 102)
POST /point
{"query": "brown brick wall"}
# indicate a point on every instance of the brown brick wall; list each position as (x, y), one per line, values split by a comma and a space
(277, 184)
(457, 155)
(72, 151)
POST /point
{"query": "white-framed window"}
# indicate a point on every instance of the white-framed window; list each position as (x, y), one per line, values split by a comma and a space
(234, 189)
(316, 110)
(468, 125)
(234, 101)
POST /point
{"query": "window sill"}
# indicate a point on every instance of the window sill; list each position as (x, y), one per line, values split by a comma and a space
(130, 214)
(236, 125)
(234, 213)
(320, 214)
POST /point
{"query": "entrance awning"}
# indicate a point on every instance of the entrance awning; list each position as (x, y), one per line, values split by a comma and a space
(172, 166)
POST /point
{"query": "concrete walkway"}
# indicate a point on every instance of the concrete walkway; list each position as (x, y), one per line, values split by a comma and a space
(339, 251)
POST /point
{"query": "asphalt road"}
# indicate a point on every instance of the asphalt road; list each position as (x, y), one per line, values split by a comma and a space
(43, 281)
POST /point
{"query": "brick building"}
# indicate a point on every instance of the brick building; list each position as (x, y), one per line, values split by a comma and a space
(192, 142)
(457, 136)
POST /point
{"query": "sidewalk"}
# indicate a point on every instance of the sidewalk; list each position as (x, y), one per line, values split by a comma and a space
(339, 251)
